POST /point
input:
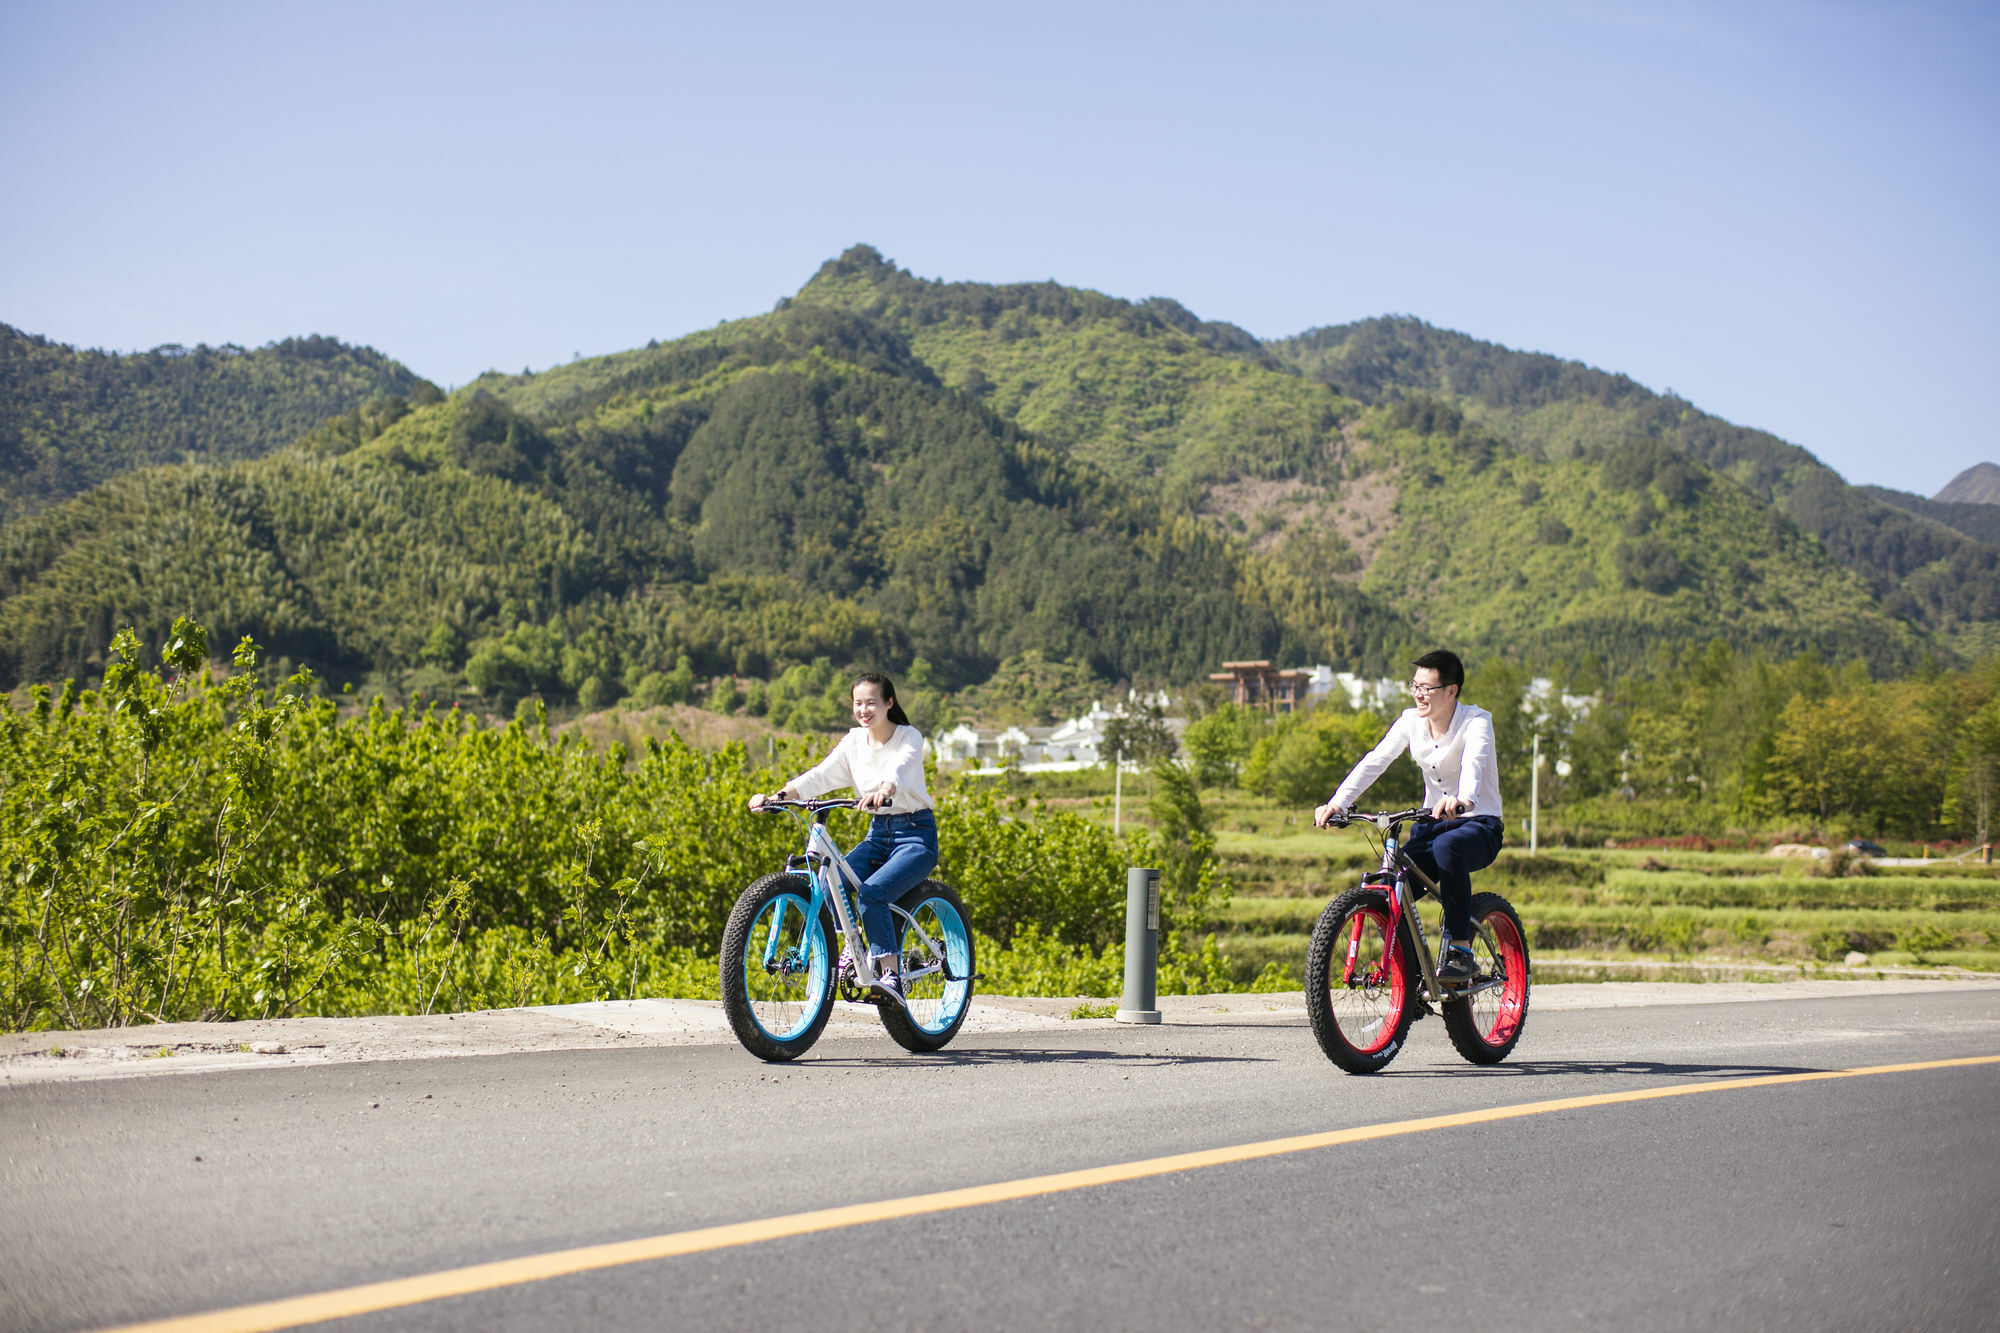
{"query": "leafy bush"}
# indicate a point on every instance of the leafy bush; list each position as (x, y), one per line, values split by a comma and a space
(1918, 941)
(192, 843)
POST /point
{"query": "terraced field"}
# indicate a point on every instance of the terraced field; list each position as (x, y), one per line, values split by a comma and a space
(1613, 915)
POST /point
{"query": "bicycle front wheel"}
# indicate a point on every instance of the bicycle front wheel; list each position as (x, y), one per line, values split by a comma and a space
(1486, 1024)
(777, 979)
(935, 965)
(1360, 983)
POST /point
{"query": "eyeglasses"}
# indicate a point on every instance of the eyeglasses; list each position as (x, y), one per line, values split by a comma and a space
(1423, 692)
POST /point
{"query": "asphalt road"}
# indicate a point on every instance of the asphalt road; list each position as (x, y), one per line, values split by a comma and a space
(1852, 1203)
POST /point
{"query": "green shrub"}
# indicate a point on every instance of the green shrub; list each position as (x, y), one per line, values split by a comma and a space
(1919, 941)
(189, 843)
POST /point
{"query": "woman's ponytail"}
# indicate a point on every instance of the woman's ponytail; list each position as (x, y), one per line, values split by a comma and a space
(888, 688)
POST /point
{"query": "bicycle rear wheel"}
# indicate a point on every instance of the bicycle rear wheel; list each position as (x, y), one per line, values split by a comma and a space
(1360, 983)
(777, 978)
(935, 965)
(1486, 1024)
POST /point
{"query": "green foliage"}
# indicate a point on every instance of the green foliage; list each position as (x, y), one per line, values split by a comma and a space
(70, 419)
(1029, 689)
(1016, 864)
(188, 842)
(1546, 408)
(1141, 391)
(1666, 556)
(1218, 743)
(1183, 847)
(1305, 755)
(525, 660)
(1032, 489)
(763, 515)
(811, 697)
(1138, 734)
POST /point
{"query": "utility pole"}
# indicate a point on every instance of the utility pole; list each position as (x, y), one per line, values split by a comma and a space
(1535, 798)
(1117, 789)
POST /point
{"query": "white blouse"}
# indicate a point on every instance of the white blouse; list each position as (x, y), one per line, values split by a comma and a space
(860, 763)
(1461, 764)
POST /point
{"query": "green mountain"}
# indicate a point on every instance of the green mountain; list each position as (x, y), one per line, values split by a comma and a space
(70, 419)
(1938, 579)
(1975, 519)
(940, 477)
(787, 487)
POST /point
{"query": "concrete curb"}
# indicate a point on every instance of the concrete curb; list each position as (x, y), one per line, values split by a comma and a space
(188, 1048)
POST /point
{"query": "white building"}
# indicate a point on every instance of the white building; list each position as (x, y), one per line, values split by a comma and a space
(1538, 701)
(1384, 694)
(1077, 742)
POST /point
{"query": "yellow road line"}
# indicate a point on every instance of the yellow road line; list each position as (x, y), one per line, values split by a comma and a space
(350, 1301)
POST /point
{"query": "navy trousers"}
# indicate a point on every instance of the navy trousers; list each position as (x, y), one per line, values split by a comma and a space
(1449, 850)
(899, 851)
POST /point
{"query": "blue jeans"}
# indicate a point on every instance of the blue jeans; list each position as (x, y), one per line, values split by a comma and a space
(899, 851)
(1449, 850)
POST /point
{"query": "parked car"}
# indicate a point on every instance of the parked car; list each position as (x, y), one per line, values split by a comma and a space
(1866, 848)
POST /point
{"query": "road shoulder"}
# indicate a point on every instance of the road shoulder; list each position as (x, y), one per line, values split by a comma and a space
(187, 1048)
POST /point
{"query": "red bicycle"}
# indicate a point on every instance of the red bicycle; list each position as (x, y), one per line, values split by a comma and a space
(1370, 971)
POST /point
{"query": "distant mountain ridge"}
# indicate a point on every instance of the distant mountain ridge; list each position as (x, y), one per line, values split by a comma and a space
(71, 418)
(939, 477)
(1978, 484)
(1921, 570)
(1981, 522)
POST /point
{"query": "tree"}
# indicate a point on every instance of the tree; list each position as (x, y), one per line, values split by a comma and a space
(1301, 767)
(1184, 847)
(1307, 754)
(443, 647)
(1137, 735)
(1217, 744)
(1827, 757)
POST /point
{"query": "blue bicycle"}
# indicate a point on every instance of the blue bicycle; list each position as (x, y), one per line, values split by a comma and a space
(779, 976)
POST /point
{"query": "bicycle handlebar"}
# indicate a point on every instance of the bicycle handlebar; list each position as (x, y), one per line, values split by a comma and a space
(813, 807)
(1381, 819)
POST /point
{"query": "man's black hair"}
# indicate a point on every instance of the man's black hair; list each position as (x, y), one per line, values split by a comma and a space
(1450, 670)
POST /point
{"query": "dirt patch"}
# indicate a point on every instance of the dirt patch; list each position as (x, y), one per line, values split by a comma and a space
(1259, 509)
(1364, 515)
(697, 726)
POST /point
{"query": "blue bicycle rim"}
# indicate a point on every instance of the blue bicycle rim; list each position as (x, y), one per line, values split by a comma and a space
(956, 941)
(803, 941)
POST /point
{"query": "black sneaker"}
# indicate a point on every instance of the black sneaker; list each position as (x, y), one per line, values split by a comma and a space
(1457, 967)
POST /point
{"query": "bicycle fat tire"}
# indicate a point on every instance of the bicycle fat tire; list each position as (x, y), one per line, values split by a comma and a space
(1360, 1022)
(749, 921)
(930, 1021)
(1486, 1027)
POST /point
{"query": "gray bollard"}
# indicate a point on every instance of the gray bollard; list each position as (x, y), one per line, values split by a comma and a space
(1142, 947)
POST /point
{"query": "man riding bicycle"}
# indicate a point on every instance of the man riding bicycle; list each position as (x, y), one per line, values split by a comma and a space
(1452, 743)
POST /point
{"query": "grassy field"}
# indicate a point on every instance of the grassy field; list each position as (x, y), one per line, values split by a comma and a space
(1603, 913)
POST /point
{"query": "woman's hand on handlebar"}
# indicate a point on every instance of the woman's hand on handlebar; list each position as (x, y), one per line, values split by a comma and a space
(1327, 814)
(757, 798)
(1449, 807)
(878, 798)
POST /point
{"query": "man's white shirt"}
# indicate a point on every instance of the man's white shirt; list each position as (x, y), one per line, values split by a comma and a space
(1461, 764)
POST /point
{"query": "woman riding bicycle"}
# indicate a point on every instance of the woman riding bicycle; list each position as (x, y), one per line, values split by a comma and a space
(1453, 744)
(883, 760)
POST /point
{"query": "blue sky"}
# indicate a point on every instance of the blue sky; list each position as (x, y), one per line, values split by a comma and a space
(1786, 213)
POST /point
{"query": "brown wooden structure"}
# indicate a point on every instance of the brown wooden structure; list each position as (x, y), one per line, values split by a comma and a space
(1261, 685)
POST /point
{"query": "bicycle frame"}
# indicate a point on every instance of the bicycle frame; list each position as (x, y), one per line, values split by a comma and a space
(1398, 868)
(832, 880)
